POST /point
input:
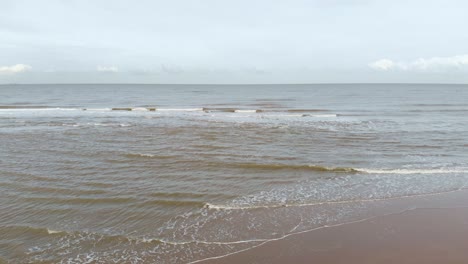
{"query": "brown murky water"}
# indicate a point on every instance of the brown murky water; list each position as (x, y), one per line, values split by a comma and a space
(180, 173)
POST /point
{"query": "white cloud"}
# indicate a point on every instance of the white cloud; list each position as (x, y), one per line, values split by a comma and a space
(107, 69)
(423, 64)
(437, 63)
(17, 68)
(383, 64)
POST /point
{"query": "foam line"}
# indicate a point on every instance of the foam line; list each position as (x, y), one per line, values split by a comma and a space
(227, 207)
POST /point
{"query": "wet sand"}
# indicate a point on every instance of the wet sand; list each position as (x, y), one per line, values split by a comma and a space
(426, 235)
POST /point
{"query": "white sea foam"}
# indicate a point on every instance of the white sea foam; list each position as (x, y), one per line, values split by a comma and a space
(272, 206)
(324, 115)
(140, 109)
(245, 111)
(328, 115)
(179, 109)
(143, 155)
(285, 115)
(412, 171)
(97, 109)
(37, 109)
(51, 232)
(301, 115)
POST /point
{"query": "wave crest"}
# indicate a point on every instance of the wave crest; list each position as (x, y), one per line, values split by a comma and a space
(296, 167)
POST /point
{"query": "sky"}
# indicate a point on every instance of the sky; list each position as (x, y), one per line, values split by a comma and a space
(237, 41)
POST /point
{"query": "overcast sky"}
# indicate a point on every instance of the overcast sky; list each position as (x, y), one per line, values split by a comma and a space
(237, 41)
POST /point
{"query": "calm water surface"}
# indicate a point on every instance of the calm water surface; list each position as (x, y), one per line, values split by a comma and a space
(180, 173)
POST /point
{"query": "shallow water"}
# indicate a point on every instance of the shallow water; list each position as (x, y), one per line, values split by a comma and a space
(179, 173)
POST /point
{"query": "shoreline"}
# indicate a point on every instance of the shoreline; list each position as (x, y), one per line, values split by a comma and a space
(434, 233)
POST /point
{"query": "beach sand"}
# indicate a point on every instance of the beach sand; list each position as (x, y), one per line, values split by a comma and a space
(425, 235)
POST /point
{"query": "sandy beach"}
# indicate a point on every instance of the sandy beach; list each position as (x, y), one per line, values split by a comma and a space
(436, 234)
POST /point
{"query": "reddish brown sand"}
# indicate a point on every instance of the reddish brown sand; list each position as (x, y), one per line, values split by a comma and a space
(417, 236)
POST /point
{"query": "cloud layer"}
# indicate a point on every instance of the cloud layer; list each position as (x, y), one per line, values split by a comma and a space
(17, 68)
(183, 41)
(458, 62)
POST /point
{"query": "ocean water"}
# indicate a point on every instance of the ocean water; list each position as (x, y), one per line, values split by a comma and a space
(181, 173)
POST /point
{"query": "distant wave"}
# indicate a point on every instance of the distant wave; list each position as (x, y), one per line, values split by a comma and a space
(142, 155)
(147, 155)
(97, 109)
(324, 115)
(36, 108)
(142, 109)
(24, 107)
(307, 110)
(267, 112)
(246, 111)
(179, 109)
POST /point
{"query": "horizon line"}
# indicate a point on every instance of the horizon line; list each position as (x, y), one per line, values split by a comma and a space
(324, 83)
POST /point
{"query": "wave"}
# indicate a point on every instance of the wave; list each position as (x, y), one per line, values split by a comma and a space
(307, 110)
(147, 155)
(295, 167)
(349, 169)
(231, 110)
(78, 236)
(28, 109)
(51, 232)
(229, 207)
(179, 109)
(89, 124)
(267, 113)
(97, 109)
(412, 171)
(320, 168)
(132, 109)
(31, 229)
(171, 246)
(299, 115)
(116, 238)
(246, 111)
(143, 109)
(324, 115)
(140, 155)
(178, 203)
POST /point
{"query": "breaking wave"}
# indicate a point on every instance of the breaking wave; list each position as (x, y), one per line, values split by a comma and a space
(320, 168)
(296, 167)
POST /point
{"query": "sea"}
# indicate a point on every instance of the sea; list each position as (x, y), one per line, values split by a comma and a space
(133, 173)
